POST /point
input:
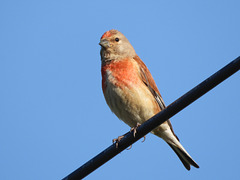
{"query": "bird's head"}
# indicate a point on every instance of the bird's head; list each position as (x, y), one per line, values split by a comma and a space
(114, 46)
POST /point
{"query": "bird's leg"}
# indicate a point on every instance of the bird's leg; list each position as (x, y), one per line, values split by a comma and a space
(144, 138)
(130, 147)
(117, 140)
(134, 129)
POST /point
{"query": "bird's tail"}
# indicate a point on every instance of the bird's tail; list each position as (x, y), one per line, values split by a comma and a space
(183, 155)
(173, 141)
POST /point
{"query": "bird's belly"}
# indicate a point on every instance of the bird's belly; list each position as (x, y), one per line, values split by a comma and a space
(131, 104)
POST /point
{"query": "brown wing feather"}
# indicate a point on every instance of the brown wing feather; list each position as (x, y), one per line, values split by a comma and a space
(150, 83)
(149, 77)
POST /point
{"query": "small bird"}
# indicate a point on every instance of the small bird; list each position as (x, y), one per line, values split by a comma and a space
(131, 92)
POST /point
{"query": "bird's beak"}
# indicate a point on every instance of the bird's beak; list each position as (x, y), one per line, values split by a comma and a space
(104, 43)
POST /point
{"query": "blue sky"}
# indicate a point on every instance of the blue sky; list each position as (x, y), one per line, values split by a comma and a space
(53, 116)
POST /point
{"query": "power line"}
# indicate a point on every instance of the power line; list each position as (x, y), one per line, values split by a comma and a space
(156, 120)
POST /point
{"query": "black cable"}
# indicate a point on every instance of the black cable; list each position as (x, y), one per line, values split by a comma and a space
(156, 120)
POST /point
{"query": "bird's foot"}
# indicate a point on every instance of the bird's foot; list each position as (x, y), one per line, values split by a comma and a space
(117, 140)
(134, 129)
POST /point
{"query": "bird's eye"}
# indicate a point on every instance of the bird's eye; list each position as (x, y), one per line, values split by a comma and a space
(116, 39)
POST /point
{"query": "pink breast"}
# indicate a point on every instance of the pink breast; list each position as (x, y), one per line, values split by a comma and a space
(123, 73)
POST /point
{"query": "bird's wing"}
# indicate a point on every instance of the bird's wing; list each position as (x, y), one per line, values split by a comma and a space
(176, 146)
(150, 83)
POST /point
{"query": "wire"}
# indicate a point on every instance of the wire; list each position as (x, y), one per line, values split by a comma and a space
(156, 120)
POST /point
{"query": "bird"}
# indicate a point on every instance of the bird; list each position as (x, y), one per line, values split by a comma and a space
(131, 92)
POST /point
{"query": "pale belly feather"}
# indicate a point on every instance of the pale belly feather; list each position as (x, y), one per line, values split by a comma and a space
(132, 105)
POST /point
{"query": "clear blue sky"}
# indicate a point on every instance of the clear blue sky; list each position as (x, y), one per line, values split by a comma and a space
(53, 116)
